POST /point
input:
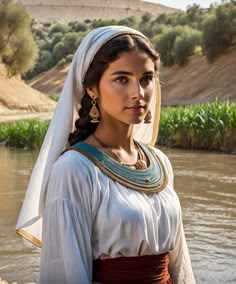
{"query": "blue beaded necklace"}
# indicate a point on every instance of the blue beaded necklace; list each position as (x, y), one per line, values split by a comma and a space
(153, 179)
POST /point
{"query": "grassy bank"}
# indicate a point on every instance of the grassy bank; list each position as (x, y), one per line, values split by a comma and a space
(25, 133)
(210, 126)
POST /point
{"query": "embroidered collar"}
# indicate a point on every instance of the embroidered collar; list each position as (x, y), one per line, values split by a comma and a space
(150, 180)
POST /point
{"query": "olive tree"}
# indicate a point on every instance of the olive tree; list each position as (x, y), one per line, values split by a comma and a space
(219, 30)
(185, 44)
(18, 49)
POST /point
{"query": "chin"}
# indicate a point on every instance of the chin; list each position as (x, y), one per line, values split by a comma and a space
(133, 120)
(136, 121)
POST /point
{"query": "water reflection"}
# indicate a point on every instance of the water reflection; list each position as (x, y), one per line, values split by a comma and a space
(19, 260)
(205, 183)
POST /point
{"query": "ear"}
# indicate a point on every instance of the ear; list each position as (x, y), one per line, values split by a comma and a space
(92, 92)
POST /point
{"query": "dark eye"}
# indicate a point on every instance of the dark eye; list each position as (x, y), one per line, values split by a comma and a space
(146, 79)
(121, 79)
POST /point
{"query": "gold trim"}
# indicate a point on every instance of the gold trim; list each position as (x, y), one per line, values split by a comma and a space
(29, 237)
(148, 189)
(157, 114)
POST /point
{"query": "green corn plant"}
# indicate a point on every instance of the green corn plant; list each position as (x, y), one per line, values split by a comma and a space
(210, 126)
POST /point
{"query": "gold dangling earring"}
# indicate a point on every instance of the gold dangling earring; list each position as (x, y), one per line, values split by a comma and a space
(94, 112)
(148, 117)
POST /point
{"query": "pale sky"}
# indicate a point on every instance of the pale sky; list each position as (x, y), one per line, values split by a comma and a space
(183, 4)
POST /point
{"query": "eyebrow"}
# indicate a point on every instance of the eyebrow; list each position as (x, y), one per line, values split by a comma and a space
(130, 73)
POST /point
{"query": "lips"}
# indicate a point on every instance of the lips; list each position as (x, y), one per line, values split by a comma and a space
(136, 107)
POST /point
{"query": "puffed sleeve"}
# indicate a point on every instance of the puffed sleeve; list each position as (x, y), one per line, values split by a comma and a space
(180, 265)
(66, 255)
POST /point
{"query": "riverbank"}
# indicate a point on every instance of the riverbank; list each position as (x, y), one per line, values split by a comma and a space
(210, 126)
(24, 133)
(16, 116)
(5, 282)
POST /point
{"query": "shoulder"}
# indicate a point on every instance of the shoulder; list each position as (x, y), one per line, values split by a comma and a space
(72, 162)
(72, 170)
(71, 178)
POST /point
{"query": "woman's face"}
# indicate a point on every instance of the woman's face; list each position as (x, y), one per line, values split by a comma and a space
(126, 88)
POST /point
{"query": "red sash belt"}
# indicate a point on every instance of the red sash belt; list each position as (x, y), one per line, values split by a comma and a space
(150, 269)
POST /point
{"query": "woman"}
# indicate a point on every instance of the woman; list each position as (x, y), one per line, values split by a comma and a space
(106, 204)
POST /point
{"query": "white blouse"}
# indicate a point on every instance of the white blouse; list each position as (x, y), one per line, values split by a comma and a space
(90, 216)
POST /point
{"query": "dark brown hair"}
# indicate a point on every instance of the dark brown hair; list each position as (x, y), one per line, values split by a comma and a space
(108, 53)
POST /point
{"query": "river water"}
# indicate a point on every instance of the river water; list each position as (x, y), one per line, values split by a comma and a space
(205, 183)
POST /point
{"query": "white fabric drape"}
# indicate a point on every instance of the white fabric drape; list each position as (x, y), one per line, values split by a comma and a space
(29, 223)
(90, 216)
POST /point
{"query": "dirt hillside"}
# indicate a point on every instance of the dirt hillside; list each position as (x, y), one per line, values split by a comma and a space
(51, 81)
(17, 98)
(200, 81)
(196, 82)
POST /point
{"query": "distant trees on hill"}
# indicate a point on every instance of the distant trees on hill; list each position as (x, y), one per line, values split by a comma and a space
(177, 43)
(18, 49)
(219, 30)
(176, 36)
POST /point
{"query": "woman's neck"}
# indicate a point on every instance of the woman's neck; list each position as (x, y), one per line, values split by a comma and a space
(117, 136)
(116, 140)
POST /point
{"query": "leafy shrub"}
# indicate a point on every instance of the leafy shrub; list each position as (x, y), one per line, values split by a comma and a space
(185, 44)
(47, 24)
(56, 37)
(164, 44)
(219, 30)
(59, 51)
(77, 27)
(65, 60)
(46, 60)
(58, 28)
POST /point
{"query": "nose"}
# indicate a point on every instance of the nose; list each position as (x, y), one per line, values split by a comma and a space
(137, 90)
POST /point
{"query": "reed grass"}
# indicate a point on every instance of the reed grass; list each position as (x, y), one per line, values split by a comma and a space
(25, 133)
(210, 126)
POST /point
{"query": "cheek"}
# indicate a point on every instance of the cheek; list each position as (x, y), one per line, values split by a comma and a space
(105, 89)
(149, 93)
(110, 92)
(107, 97)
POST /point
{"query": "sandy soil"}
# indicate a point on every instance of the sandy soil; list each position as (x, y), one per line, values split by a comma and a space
(199, 81)
(13, 116)
(19, 101)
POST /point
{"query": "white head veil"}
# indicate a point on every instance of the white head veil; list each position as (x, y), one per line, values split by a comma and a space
(29, 224)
